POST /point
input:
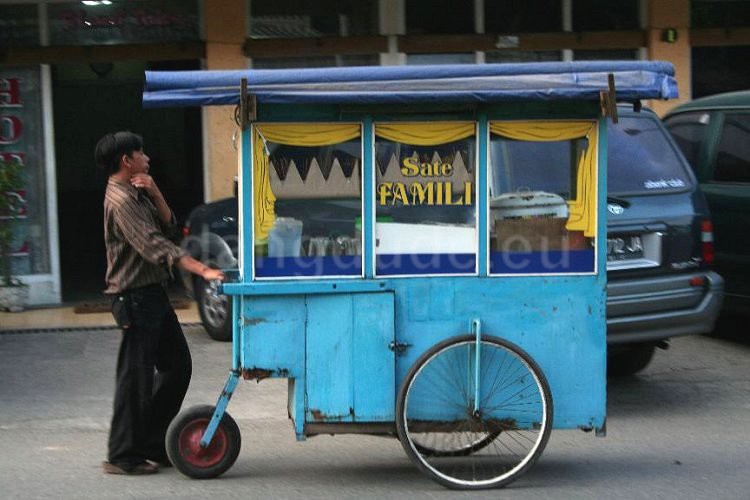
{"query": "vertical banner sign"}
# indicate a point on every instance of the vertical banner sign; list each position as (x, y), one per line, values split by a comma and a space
(21, 140)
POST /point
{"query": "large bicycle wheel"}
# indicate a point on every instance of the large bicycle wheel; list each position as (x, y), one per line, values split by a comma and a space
(474, 443)
(466, 446)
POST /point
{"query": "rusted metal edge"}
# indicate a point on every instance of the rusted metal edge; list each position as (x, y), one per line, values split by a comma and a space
(258, 374)
(313, 428)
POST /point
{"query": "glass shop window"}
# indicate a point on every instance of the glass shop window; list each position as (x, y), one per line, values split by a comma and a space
(542, 197)
(295, 19)
(595, 15)
(19, 25)
(307, 192)
(425, 198)
(439, 17)
(523, 16)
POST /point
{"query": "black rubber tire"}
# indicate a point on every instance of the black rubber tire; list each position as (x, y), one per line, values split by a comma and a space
(414, 451)
(629, 360)
(215, 311)
(183, 455)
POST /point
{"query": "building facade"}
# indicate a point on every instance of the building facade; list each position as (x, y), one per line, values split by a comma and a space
(71, 71)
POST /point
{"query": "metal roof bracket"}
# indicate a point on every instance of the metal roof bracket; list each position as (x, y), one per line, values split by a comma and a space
(247, 106)
(608, 99)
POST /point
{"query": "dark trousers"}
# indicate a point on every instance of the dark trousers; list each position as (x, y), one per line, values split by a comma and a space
(153, 374)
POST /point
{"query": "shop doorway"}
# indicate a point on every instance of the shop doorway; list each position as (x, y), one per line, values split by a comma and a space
(89, 101)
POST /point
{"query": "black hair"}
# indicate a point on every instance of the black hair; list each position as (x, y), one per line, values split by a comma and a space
(111, 147)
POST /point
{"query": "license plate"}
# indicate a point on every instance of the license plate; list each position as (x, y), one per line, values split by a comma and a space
(624, 247)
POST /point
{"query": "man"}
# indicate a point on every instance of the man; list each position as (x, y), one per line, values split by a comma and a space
(153, 364)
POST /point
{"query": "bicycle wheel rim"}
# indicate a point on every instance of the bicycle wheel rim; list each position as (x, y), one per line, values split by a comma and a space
(463, 450)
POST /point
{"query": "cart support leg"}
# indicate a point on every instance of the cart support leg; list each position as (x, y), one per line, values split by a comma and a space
(221, 406)
(476, 327)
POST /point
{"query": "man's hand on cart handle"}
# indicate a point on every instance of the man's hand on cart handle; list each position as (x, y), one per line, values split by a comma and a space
(191, 265)
(213, 274)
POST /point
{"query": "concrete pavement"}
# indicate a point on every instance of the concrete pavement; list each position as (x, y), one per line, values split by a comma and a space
(64, 317)
(678, 431)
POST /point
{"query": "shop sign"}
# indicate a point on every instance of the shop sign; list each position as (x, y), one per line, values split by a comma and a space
(21, 140)
(120, 22)
(425, 183)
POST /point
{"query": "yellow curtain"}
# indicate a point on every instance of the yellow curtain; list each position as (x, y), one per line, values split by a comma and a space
(264, 197)
(309, 134)
(582, 209)
(425, 134)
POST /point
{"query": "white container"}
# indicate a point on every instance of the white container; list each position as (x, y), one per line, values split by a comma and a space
(285, 238)
(528, 204)
(400, 238)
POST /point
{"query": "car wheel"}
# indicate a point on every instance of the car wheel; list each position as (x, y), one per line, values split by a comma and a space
(629, 360)
(215, 310)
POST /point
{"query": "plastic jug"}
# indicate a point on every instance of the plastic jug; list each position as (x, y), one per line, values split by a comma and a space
(285, 238)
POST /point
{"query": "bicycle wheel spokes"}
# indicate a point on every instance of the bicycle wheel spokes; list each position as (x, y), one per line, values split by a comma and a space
(464, 448)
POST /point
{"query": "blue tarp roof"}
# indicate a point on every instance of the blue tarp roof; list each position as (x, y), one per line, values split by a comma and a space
(578, 80)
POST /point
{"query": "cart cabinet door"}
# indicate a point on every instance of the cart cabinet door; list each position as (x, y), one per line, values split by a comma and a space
(350, 364)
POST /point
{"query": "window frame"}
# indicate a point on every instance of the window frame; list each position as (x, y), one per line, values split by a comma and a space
(597, 239)
(482, 178)
(477, 221)
(361, 275)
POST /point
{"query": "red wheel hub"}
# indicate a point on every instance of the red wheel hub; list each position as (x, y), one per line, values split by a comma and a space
(190, 447)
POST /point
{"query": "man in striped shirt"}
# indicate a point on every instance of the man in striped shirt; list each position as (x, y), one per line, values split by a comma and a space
(153, 364)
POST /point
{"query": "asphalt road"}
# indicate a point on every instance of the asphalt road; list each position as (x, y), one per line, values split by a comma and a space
(680, 430)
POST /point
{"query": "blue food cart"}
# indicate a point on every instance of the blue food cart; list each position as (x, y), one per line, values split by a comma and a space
(405, 261)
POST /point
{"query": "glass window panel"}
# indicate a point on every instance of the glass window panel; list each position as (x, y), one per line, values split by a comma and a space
(719, 13)
(19, 25)
(718, 69)
(688, 130)
(315, 229)
(531, 183)
(425, 201)
(294, 19)
(522, 16)
(605, 55)
(423, 59)
(640, 158)
(733, 157)
(315, 62)
(502, 56)
(439, 17)
(595, 15)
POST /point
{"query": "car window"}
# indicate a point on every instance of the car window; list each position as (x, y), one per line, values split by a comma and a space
(688, 130)
(733, 156)
(641, 158)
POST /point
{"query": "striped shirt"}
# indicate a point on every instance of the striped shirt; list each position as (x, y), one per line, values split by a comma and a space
(138, 250)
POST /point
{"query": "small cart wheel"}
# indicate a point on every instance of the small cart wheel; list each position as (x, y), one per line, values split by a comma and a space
(463, 445)
(184, 449)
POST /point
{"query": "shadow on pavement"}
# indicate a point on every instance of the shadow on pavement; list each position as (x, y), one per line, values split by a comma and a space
(733, 327)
